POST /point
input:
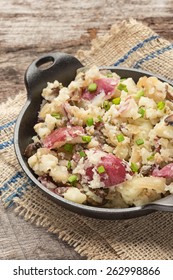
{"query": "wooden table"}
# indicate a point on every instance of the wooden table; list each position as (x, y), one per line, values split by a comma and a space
(30, 28)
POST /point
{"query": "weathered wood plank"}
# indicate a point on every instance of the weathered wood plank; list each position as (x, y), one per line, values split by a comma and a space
(21, 240)
(30, 28)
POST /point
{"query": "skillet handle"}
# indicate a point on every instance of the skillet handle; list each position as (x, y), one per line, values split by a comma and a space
(63, 68)
(164, 204)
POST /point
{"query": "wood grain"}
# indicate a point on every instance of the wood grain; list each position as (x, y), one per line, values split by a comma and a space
(21, 240)
(31, 28)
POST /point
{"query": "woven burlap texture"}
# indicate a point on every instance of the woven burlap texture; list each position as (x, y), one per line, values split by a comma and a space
(148, 237)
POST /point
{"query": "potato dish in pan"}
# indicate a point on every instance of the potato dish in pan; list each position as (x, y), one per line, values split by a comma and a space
(104, 140)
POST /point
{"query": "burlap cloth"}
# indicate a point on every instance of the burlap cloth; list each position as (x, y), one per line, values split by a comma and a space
(129, 44)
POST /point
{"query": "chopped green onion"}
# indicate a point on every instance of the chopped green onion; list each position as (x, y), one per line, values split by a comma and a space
(161, 105)
(86, 138)
(72, 179)
(140, 93)
(56, 115)
(101, 169)
(122, 87)
(134, 167)
(90, 121)
(92, 87)
(82, 154)
(120, 137)
(109, 75)
(141, 111)
(150, 157)
(139, 142)
(100, 119)
(123, 79)
(106, 105)
(68, 147)
(69, 164)
(116, 100)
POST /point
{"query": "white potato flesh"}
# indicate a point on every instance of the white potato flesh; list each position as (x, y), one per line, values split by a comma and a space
(74, 194)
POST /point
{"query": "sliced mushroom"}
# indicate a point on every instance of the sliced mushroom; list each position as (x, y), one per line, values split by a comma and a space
(31, 149)
(146, 170)
(169, 120)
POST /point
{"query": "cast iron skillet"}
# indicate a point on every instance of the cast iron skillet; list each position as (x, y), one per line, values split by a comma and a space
(63, 68)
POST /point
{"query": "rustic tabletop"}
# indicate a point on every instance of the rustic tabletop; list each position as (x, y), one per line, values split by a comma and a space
(31, 28)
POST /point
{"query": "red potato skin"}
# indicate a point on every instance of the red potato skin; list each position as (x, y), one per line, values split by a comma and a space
(104, 84)
(115, 171)
(61, 136)
(165, 172)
